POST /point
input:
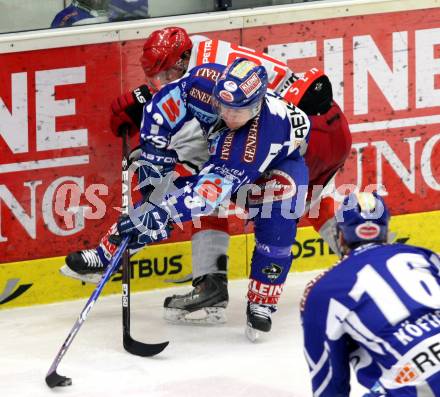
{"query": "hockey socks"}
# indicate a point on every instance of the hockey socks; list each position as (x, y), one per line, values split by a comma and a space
(207, 247)
(270, 267)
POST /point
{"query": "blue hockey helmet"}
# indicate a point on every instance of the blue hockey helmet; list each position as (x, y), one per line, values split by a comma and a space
(363, 218)
(240, 88)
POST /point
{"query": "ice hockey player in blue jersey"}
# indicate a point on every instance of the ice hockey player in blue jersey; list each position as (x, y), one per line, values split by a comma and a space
(255, 138)
(81, 12)
(378, 309)
(258, 140)
(124, 10)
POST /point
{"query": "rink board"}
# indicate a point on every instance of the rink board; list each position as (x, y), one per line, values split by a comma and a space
(61, 167)
(38, 281)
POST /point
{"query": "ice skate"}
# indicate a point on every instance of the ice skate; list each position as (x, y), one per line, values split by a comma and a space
(84, 265)
(205, 304)
(258, 319)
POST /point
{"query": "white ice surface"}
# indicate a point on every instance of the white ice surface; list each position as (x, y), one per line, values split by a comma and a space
(199, 361)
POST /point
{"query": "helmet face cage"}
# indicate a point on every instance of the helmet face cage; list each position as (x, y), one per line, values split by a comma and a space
(163, 49)
(239, 92)
(363, 218)
(157, 81)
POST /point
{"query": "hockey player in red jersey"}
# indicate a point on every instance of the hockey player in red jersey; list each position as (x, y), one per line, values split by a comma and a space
(167, 54)
(329, 147)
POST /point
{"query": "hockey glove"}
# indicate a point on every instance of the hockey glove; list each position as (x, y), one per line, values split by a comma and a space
(146, 224)
(152, 164)
(127, 110)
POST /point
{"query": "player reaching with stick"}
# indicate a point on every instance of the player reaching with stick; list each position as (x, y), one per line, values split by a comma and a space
(167, 54)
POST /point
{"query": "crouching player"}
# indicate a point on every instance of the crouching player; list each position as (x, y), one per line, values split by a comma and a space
(379, 309)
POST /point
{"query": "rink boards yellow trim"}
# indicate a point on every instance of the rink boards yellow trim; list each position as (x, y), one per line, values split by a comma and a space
(38, 281)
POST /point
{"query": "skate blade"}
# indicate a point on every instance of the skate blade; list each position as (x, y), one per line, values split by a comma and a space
(251, 333)
(92, 278)
(207, 315)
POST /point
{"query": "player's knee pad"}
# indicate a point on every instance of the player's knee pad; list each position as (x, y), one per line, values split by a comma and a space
(270, 266)
(280, 191)
(273, 187)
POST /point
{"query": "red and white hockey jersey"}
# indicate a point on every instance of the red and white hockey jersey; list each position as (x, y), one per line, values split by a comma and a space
(223, 53)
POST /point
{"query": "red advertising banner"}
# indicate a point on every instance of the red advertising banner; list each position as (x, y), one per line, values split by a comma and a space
(385, 70)
(60, 164)
(59, 167)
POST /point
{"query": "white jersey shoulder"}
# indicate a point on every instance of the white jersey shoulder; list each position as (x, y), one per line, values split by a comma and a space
(223, 53)
(298, 120)
(198, 38)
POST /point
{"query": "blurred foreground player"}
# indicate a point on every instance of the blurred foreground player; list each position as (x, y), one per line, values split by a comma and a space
(379, 310)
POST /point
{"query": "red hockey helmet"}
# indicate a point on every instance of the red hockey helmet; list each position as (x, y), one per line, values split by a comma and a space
(163, 49)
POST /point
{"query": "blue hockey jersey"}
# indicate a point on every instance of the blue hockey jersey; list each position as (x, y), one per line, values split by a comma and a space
(238, 157)
(76, 13)
(378, 309)
(123, 10)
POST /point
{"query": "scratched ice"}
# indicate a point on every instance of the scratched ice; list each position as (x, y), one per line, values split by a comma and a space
(200, 361)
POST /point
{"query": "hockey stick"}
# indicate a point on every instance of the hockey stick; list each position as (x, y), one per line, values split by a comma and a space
(53, 378)
(130, 345)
